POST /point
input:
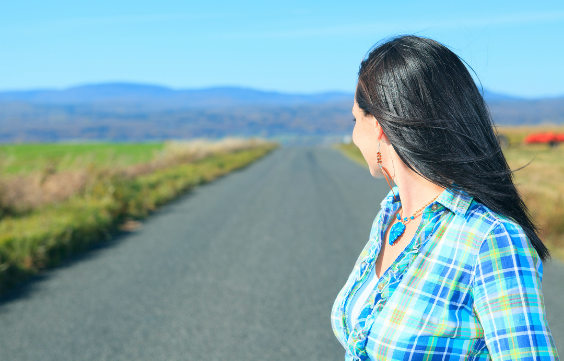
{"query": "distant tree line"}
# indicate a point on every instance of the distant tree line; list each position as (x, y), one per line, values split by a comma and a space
(130, 112)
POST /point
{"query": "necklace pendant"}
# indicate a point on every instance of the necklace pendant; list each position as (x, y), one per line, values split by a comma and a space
(395, 232)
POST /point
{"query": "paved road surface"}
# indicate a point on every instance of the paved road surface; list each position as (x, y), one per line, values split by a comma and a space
(245, 268)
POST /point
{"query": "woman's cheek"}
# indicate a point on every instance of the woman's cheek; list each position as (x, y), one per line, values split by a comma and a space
(355, 135)
(358, 136)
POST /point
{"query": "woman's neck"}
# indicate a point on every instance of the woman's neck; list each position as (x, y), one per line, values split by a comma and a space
(414, 190)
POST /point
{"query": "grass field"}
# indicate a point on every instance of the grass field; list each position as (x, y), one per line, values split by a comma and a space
(46, 216)
(540, 181)
(27, 158)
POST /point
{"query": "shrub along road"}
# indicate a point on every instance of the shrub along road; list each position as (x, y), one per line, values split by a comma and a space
(245, 268)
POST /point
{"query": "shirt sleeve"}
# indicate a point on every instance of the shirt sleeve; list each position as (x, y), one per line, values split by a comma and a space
(508, 297)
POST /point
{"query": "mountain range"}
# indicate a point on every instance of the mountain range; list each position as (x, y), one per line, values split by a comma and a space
(140, 112)
(158, 97)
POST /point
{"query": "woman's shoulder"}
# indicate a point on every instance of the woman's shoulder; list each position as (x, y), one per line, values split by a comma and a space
(504, 237)
(479, 213)
(493, 235)
(470, 212)
(475, 224)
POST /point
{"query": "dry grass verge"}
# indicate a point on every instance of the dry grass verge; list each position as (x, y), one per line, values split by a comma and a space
(21, 193)
(540, 182)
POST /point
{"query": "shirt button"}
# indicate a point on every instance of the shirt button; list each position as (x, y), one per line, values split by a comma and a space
(434, 207)
(380, 286)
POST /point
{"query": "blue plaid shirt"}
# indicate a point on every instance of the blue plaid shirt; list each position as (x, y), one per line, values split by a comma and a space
(467, 287)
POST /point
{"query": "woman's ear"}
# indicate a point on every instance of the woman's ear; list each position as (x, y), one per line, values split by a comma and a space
(379, 132)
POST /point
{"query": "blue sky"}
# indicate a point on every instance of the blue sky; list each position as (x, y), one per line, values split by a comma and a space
(515, 47)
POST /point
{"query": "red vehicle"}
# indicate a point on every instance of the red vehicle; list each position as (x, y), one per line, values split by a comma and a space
(549, 138)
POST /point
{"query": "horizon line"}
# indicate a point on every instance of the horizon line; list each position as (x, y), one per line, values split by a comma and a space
(242, 87)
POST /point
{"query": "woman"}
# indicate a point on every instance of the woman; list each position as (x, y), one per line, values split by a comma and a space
(452, 269)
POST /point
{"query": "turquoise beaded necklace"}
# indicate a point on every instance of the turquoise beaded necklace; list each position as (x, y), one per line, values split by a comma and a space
(397, 229)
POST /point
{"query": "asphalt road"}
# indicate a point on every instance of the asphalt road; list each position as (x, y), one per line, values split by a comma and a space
(245, 268)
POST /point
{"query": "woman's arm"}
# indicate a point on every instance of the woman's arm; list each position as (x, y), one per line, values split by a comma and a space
(508, 297)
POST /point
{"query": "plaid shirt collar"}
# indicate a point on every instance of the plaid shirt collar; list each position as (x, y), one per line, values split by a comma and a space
(454, 199)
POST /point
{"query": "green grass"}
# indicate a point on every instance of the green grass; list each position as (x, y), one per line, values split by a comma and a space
(26, 158)
(50, 234)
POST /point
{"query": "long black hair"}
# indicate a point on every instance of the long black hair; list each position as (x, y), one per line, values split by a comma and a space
(433, 114)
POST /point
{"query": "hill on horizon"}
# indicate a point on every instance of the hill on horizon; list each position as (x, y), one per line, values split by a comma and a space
(141, 112)
(228, 95)
(163, 97)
